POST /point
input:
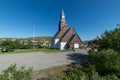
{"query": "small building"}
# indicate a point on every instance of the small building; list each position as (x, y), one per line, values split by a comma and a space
(66, 37)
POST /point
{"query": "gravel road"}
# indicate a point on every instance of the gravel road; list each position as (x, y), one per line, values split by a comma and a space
(38, 60)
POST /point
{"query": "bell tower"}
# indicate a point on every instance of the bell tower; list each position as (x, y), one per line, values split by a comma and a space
(62, 21)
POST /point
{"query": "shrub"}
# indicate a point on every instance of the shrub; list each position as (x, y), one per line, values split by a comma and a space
(106, 62)
(109, 39)
(13, 73)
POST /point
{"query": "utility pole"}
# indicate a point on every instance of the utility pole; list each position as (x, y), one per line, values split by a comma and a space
(34, 37)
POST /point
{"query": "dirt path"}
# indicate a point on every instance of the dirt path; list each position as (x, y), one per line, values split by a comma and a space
(39, 60)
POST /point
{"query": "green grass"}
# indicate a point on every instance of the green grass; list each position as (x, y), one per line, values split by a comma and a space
(33, 50)
(38, 50)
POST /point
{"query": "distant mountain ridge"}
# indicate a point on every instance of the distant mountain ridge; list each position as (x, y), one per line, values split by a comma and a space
(86, 42)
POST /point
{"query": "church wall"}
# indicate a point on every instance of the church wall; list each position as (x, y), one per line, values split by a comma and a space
(62, 45)
(55, 43)
(76, 40)
(74, 45)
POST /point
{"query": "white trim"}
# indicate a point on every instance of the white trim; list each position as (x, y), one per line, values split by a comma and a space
(56, 41)
(62, 45)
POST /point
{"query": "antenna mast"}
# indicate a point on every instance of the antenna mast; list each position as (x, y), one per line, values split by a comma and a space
(34, 37)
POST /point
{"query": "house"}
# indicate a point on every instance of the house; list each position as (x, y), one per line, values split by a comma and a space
(66, 37)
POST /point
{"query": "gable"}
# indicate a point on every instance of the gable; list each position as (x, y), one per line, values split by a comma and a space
(76, 39)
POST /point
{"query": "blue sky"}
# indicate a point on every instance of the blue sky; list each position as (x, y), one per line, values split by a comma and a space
(90, 18)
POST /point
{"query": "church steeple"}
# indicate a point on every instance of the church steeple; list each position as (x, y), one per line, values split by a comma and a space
(63, 17)
(62, 22)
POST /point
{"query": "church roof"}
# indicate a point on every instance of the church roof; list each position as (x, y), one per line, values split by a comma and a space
(68, 35)
(60, 33)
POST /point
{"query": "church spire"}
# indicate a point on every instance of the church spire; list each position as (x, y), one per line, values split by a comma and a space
(62, 22)
(63, 17)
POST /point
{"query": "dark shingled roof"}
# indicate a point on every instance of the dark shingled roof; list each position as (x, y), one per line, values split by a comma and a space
(62, 32)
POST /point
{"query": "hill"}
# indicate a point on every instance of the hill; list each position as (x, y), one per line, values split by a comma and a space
(39, 38)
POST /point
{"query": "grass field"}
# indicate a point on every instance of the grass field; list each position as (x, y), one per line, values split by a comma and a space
(33, 50)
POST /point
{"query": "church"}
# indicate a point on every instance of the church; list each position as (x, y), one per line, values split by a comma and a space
(66, 37)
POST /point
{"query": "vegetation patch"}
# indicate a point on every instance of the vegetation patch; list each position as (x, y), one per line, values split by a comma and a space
(49, 73)
(15, 73)
(33, 50)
